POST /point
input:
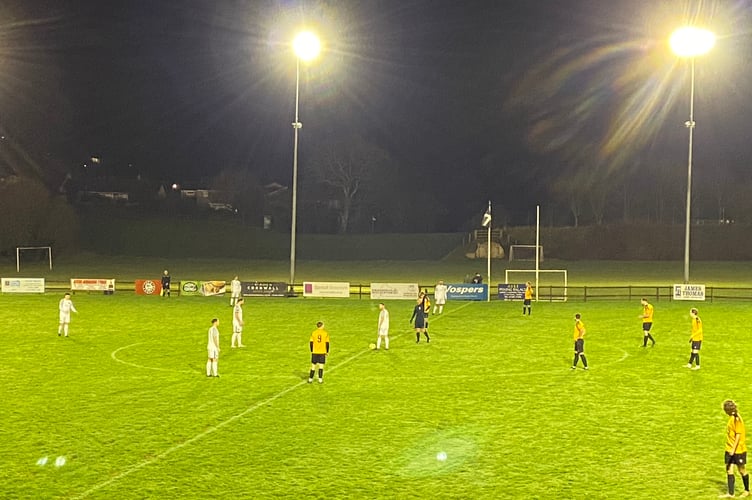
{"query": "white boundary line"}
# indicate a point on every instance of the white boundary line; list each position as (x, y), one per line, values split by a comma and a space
(219, 426)
(113, 356)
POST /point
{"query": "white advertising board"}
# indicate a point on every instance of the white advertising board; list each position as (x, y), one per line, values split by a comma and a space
(22, 285)
(392, 291)
(92, 284)
(689, 292)
(338, 289)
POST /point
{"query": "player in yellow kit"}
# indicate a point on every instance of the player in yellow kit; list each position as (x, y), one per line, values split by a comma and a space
(319, 344)
(529, 292)
(736, 449)
(695, 339)
(647, 322)
(579, 342)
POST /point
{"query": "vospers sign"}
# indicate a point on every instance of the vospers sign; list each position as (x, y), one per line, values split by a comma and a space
(467, 291)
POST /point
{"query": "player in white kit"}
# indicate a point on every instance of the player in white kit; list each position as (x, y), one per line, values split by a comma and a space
(440, 296)
(235, 290)
(213, 347)
(65, 307)
(237, 324)
(383, 327)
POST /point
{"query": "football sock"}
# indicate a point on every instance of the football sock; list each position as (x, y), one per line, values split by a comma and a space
(214, 367)
(523, 310)
(417, 336)
(240, 338)
(731, 480)
(378, 342)
(645, 340)
(428, 339)
(691, 358)
(234, 339)
(745, 480)
(310, 374)
(584, 360)
(435, 308)
(651, 339)
(697, 359)
(321, 373)
(60, 329)
(208, 368)
(441, 309)
(65, 329)
(386, 342)
(576, 359)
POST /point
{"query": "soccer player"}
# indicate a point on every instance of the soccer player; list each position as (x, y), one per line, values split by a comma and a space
(477, 279)
(383, 327)
(440, 295)
(736, 449)
(166, 283)
(235, 290)
(419, 315)
(695, 339)
(579, 342)
(647, 322)
(237, 324)
(65, 307)
(426, 305)
(529, 292)
(319, 344)
(213, 347)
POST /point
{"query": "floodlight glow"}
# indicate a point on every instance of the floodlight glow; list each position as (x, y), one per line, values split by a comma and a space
(306, 46)
(691, 42)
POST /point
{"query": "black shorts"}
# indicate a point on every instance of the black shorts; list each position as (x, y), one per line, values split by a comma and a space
(526, 302)
(579, 346)
(739, 459)
(696, 344)
(318, 359)
(647, 326)
(420, 323)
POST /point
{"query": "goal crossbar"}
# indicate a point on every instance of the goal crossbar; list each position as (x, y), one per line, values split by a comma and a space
(531, 248)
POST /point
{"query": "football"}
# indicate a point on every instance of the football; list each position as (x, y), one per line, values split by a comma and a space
(372, 346)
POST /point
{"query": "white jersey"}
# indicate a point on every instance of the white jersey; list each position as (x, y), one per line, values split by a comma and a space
(213, 334)
(440, 294)
(235, 288)
(383, 322)
(66, 306)
(237, 315)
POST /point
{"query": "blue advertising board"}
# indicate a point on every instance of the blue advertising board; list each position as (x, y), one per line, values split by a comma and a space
(512, 291)
(467, 291)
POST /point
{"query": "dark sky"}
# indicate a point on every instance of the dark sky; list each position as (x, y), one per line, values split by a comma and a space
(466, 94)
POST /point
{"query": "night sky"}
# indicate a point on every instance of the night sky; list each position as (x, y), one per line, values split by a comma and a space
(478, 99)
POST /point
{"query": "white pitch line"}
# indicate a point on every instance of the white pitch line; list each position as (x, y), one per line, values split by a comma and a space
(211, 430)
(113, 356)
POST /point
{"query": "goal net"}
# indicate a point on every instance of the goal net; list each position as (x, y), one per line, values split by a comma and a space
(30, 255)
(552, 283)
(525, 252)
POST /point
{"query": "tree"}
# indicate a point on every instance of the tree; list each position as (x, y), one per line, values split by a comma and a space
(345, 169)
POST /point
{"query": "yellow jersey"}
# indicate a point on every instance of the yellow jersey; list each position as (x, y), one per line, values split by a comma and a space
(696, 329)
(647, 313)
(579, 329)
(529, 293)
(320, 341)
(735, 427)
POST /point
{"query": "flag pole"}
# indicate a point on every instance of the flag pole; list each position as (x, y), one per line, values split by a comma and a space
(488, 253)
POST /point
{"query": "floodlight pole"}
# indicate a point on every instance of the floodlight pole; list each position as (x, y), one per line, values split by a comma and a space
(296, 127)
(691, 126)
(488, 255)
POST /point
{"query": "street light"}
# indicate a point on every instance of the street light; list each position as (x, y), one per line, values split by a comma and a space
(690, 42)
(306, 47)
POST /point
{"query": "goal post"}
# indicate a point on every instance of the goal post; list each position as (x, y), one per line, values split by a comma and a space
(553, 282)
(21, 250)
(525, 252)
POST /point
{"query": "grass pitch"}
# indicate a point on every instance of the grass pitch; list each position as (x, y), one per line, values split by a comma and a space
(126, 402)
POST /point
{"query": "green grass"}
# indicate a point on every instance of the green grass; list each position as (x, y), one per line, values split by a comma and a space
(126, 402)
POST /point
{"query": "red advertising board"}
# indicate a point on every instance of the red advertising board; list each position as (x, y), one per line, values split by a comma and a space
(148, 287)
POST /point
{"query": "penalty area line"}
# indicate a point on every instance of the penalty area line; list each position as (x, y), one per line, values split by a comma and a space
(211, 430)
